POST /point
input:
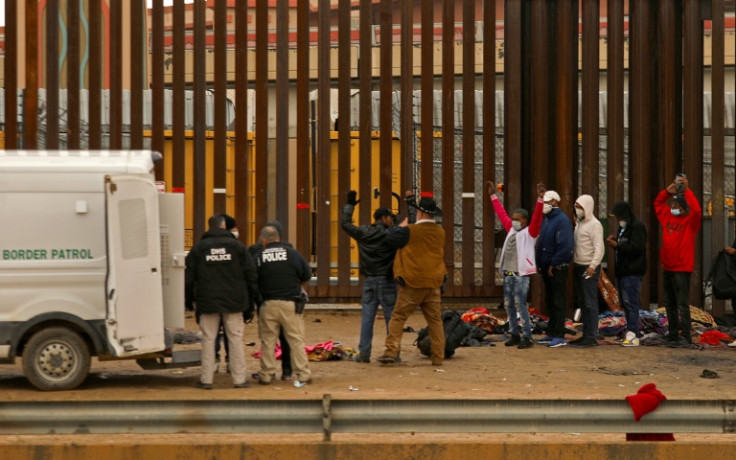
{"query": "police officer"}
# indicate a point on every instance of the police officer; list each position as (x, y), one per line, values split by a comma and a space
(286, 372)
(232, 227)
(281, 271)
(221, 282)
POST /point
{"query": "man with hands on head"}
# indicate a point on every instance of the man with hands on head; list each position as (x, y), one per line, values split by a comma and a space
(518, 263)
(679, 214)
(376, 265)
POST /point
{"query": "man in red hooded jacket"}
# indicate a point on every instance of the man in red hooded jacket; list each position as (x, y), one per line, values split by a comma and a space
(679, 213)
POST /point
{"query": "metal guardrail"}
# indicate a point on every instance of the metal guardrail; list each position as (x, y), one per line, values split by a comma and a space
(363, 416)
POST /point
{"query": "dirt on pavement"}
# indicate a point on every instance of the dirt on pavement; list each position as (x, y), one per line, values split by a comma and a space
(490, 372)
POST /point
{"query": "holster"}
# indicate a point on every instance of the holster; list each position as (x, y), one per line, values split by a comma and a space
(300, 302)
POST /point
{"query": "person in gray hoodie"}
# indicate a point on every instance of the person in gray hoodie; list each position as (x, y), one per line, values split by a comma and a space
(587, 257)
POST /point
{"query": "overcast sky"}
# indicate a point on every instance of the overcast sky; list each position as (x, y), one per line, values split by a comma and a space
(2, 8)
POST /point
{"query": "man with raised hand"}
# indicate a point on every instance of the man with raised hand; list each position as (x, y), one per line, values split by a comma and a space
(518, 263)
(376, 266)
(679, 214)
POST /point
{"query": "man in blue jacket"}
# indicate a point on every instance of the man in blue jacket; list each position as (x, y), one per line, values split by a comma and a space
(554, 252)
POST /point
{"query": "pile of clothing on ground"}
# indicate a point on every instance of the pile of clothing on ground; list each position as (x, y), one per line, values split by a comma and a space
(707, 331)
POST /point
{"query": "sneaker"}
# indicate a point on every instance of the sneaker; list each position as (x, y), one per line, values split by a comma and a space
(545, 339)
(557, 342)
(525, 342)
(204, 386)
(242, 385)
(513, 340)
(732, 344)
(361, 359)
(631, 340)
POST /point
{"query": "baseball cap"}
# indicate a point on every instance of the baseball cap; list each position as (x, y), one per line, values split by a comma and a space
(551, 195)
(382, 212)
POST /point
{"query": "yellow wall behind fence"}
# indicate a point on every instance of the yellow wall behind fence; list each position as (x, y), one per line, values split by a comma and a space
(337, 196)
(209, 178)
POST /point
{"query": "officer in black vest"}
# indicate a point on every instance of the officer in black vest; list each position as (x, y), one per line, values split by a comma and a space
(281, 271)
(286, 372)
(221, 282)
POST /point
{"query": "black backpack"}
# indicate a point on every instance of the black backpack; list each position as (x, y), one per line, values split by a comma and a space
(455, 331)
(723, 276)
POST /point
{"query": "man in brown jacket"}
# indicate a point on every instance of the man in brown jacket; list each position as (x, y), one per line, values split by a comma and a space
(419, 270)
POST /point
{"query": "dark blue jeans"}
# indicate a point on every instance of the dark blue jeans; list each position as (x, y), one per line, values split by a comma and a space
(586, 299)
(677, 291)
(628, 293)
(515, 291)
(555, 297)
(376, 291)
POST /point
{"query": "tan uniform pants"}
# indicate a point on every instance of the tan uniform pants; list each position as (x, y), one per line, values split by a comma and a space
(209, 323)
(276, 315)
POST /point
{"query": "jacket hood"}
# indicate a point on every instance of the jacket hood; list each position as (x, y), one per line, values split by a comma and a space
(586, 201)
(623, 211)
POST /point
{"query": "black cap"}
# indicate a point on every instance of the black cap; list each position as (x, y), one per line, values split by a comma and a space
(229, 222)
(382, 212)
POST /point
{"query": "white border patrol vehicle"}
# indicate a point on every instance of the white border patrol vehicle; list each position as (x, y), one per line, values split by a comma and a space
(91, 263)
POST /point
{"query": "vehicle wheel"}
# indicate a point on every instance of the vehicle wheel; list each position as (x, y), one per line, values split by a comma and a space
(56, 359)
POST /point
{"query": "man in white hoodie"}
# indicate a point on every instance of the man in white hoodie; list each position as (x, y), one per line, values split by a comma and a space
(518, 263)
(587, 256)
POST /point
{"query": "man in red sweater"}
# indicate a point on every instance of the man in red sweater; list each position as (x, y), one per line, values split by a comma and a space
(679, 213)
